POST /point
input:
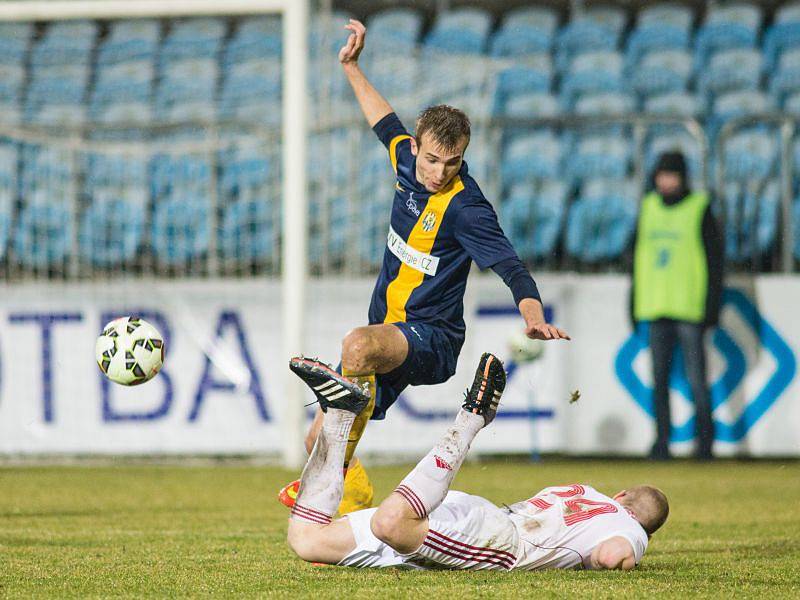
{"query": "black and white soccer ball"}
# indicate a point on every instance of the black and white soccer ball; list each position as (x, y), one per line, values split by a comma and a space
(130, 351)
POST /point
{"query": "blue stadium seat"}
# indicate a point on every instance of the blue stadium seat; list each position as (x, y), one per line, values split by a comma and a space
(783, 34)
(460, 31)
(194, 38)
(786, 79)
(248, 231)
(533, 218)
(532, 156)
(14, 42)
(104, 172)
(391, 77)
(751, 155)
(792, 105)
(245, 170)
(527, 30)
(523, 79)
(735, 25)
(65, 43)
(732, 70)
(608, 104)
(180, 175)
(183, 81)
(659, 27)
(532, 106)
(753, 210)
(128, 81)
(737, 104)
(255, 38)
(112, 228)
(600, 157)
(43, 235)
(661, 72)
(12, 80)
(598, 28)
(602, 221)
(135, 114)
(180, 230)
(394, 30)
(592, 72)
(674, 104)
(129, 40)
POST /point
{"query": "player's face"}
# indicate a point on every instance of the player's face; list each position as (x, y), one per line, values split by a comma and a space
(668, 183)
(435, 165)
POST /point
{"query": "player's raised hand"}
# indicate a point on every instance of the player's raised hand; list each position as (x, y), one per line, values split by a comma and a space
(545, 331)
(355, 42)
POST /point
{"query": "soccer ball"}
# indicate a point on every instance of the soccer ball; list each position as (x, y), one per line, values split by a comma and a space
(130, 351)
(523, 349)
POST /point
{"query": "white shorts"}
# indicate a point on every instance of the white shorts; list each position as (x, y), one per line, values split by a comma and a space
(465, 532)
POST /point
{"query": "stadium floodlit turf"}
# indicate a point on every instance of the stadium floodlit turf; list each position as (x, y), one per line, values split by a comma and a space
(217, 530)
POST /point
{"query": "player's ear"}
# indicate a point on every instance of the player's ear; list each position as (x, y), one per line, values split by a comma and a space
(414, 147)
(620, 495)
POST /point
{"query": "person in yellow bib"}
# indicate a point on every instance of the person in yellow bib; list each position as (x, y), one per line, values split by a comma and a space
(677, 288)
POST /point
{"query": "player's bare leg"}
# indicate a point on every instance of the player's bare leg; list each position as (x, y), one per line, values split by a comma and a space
(312, 534)
(366, 351)
(401, 520)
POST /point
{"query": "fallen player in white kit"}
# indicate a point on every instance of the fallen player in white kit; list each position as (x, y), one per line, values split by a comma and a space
(424, 525)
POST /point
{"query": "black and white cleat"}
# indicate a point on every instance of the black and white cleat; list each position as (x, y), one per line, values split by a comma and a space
(487, 388)
(332, 389)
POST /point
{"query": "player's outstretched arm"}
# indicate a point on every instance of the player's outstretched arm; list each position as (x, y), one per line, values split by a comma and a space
(535, 326)
(614, 553)
(373, 105)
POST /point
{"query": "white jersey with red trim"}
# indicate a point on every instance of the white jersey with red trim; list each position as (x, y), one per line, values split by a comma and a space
(560, 526)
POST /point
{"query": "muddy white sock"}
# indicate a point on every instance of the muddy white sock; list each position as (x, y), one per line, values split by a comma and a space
(426, 486)
(322, 481)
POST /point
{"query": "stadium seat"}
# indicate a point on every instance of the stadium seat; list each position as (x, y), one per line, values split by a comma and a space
(674, 104)
(194, 38)
(751, 155)
(129, 40)
(14, 42)
(533, 218)
(532, 106)
(327, 34)
(728, 26)
(661, 72)
(731, 70)
(592, 72)
(595, 29)
(460, 31)
(784, 34)
(753, 210)
(609, 104)
(43, 236)
(786, 79)
(255, 38)
(600, 157)
(64, 43)
(112, 228)
(531, 156)
(602, 221)
(248, 230)
(245, 169)
(180, 229)
(737, 104)
(523, 79)
(659, 27)
(128, 81)
(394, 30)
(527, 30)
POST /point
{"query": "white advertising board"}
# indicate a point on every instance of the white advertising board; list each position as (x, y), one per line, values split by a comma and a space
(220, 390)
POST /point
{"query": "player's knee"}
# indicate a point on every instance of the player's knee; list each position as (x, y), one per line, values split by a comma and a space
(387, 526)
(358, 350)
(302, 544)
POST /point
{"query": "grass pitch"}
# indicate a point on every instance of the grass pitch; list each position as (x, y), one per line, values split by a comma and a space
(218, 531)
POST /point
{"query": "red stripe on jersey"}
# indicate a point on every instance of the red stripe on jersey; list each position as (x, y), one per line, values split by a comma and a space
(455, 553)
(445, 539)
(539, 503)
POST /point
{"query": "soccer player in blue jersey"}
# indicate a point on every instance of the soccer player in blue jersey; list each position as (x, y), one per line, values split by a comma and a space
(440, 223)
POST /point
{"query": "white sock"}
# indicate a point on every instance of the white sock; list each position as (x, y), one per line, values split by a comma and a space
(322, 481)
(426, 486)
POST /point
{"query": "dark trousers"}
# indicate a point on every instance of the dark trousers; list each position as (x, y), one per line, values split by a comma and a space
(664, 333)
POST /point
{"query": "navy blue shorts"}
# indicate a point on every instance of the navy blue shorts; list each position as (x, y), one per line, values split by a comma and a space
(432, 358)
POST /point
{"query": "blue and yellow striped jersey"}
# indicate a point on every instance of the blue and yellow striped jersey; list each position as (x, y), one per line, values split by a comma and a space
(432, 241)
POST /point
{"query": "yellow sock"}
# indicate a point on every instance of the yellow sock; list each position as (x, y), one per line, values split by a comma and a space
(357, 430)
(358, 492)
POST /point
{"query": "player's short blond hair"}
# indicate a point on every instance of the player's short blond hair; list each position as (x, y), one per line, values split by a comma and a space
(446, 124)
(649, 504)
